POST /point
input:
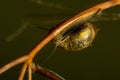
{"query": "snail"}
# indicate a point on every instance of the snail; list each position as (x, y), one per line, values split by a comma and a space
(79, 35)
(78, 39)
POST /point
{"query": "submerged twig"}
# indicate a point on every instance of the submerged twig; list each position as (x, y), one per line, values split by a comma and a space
(13, 63)
(46, 72)
(19, 31)
(29, 73)
(79, 18)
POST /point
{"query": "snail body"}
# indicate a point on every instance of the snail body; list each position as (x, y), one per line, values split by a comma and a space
(77, 40)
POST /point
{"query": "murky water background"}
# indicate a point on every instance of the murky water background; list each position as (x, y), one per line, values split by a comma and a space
(99, 62)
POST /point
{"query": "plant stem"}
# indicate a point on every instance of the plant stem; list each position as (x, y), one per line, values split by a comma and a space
(13, 63)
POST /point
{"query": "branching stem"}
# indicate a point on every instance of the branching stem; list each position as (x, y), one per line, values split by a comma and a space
(83, 16)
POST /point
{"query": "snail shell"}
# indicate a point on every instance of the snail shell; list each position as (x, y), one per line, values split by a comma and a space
(78, 40)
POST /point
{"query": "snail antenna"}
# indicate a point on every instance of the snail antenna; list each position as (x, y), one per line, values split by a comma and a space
(51, 54)
(53, 51)
(43, 28)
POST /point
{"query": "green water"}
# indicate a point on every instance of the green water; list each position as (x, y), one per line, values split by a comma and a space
(99, 62)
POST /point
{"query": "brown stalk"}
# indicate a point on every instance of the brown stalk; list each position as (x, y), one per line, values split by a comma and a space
(47, 73)
(85, 15)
